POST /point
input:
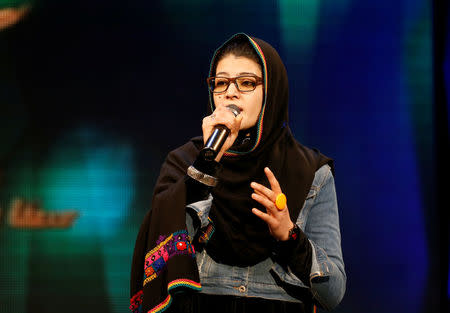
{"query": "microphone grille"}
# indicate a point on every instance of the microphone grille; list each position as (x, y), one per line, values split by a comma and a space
(234, 109)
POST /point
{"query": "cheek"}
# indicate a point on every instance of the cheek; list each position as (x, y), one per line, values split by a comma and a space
(217, 99)
(253, 112)
(257, 106)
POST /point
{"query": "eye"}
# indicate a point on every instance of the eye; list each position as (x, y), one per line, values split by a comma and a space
(220, 82)
(248, 83)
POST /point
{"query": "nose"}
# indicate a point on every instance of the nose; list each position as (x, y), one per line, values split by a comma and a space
(232, 91)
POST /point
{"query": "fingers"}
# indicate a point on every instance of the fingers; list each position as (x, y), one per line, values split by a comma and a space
(272, 181)
(221, 116)
(266, 202)
(274, 190)
(267, 196)
(258, 192)
(264, 216)
(237, 123)
(263, 191)
(278, 220)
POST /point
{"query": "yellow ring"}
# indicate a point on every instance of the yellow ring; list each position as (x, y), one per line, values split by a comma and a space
(280, 201)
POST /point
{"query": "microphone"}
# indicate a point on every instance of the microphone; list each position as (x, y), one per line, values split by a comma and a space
(218, 137)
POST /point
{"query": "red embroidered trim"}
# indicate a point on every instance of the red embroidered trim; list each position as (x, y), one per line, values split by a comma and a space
(136, 302)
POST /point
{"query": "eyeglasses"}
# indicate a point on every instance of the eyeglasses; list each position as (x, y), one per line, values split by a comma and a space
(244, 83)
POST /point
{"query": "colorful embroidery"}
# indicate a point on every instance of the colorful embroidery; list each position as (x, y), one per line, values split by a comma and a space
(177, 243)
(162, 306)
(136, 302)
(172, 285)
(206, 232)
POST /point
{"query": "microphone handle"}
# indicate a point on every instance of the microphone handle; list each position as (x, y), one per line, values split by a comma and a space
(215, 142)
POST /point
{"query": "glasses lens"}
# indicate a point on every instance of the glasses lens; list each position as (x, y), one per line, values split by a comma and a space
(219, 84)
(246, 83)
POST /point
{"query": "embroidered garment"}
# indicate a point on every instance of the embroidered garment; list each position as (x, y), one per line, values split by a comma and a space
(164, 257)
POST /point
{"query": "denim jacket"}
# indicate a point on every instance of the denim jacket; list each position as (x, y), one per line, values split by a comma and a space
(319, 220)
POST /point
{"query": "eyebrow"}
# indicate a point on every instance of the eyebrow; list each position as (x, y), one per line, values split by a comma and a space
(240, 74)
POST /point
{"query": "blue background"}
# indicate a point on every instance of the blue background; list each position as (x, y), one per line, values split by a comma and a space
(93, 95)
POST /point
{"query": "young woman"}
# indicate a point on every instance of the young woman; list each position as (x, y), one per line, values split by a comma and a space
(257, 227)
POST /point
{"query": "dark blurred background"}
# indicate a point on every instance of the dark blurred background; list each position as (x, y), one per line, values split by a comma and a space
(94, 94)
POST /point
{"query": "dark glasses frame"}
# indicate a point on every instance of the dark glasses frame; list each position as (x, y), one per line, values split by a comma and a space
(259, 81)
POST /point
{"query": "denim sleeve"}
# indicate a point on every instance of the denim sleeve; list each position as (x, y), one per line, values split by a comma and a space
(321, 225)
(197, 215)
(319, 220)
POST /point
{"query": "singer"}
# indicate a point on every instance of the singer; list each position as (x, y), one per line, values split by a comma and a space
(255, 227)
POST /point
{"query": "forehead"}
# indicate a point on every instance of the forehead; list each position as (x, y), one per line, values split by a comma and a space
(233, 65)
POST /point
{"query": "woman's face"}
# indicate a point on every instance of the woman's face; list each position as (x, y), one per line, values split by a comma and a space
(249, 102)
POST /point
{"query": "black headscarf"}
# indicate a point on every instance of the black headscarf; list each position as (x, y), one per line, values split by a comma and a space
(240, 238)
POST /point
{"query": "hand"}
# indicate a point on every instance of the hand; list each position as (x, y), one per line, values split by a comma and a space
(222, 115)
(279, 221)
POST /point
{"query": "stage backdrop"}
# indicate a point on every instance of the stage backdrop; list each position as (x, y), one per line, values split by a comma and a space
(94, 94)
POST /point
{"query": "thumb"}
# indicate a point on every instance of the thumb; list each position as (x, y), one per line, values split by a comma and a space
(236, 125)
(239, 120)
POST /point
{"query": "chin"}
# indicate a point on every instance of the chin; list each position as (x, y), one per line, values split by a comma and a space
(244, 127)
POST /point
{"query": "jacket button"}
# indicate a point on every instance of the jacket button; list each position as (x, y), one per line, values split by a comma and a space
(242, 289)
